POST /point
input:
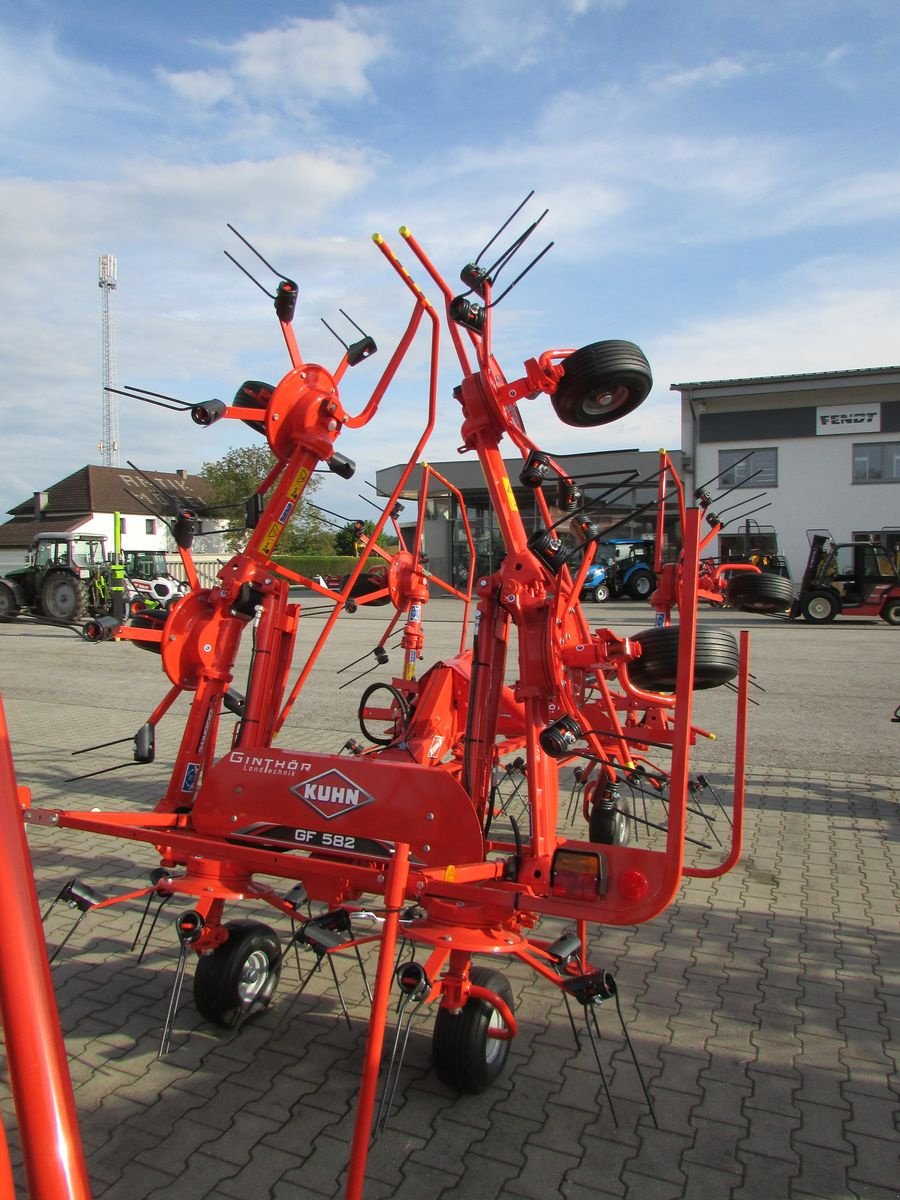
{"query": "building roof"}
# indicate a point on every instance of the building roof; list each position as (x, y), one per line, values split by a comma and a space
(807, 377)
(67, 504)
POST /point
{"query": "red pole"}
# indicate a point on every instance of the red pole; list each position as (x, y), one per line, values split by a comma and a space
(396, 886)
(36, 1056)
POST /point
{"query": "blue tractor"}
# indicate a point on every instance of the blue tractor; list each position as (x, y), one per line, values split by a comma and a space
(629, 567)
(596, 586)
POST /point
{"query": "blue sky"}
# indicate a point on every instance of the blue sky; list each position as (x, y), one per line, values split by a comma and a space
(723, 181)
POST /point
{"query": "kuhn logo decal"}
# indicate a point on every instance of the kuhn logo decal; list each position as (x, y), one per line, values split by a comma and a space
(332, 794)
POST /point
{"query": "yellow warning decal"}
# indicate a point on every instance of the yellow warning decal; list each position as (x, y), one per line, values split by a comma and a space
(299, 483)
(511, 500)
(271, 537)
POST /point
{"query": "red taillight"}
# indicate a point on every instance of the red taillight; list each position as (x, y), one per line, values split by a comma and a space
(633, 885)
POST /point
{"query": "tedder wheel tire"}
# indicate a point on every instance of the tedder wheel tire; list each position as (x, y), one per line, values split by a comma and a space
(819, 607)
(465, 1057)
(891, 612)
(64, 598)
(610, 827)
(716, 658)
(602, 382)
(9, 609)
(641, 585)
(762, 593)
(239, 976)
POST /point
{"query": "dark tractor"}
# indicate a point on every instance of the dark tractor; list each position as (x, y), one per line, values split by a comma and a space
(66, 580)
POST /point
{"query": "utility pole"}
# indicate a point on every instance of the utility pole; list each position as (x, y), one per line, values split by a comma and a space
(109, 443)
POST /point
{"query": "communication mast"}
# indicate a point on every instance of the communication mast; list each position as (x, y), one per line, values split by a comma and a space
(109, 443)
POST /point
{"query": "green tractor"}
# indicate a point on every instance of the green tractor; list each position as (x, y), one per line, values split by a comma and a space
(67, 579)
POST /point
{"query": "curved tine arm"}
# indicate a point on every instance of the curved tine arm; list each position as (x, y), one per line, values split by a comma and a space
(364, 417)
(446, 293)
(425, 306)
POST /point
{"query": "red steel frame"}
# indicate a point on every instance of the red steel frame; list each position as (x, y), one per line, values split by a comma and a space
(408, 820)
(38, 1070)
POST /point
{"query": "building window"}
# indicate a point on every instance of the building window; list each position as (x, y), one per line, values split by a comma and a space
(876, 462)
(748, 468)
(149, 525)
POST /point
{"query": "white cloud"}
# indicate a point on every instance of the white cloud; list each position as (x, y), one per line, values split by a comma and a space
(301, 62)
(206, 88)
(712, 74)
(831, 315)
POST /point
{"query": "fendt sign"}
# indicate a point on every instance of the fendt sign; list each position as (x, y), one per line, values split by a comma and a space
(848, 418)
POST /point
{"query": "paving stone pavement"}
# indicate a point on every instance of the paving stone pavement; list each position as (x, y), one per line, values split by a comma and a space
(762, 1006)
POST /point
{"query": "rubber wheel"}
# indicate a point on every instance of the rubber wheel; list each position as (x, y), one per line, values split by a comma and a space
(64, 598)
(598, 594)
(148, 620)
(240, 976)
(602, 382)
(8, 607)
(465, 1057)
(610, 826)
(641, 584)
(716, 658)
(891, 612)
(759, 593)
(819, 607)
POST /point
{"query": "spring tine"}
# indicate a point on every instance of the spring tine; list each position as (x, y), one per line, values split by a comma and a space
(574, 797)
(68, 935)
(571, 1017)
(337, 984)
(698, 810)
(395, 1063)
(704, 782)
(362, 968)
(173, 1003)
(634, 1058)
(164, 900)
(590, 1020)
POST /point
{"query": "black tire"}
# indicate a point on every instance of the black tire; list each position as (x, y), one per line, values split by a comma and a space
(599, 594)
(640, 585)
(819, 607)
(239, 978)
(149, 620)
(64, 598)
(465, 1057)
(890, 612)
(602, 382)
(716, 659)
(610, 826)
(9, 609)
(763, 593)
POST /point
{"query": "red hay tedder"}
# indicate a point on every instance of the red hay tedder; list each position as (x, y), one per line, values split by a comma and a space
(412, 822)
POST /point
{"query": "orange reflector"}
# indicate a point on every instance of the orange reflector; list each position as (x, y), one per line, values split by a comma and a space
(578, 874)
(633, 885)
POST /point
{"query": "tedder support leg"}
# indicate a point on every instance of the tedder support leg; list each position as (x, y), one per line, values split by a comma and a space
(398, 873)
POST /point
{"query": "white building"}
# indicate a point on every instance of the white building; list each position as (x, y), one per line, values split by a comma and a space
(86, 501)
(823, 449)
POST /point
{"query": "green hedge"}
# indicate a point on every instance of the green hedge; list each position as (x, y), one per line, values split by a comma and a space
(316, 564)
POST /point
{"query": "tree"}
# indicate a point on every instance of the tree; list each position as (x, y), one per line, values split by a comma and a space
(236, 476)
(349, 539)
